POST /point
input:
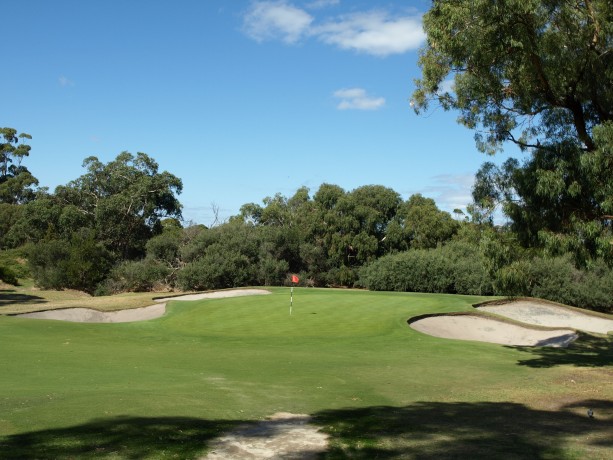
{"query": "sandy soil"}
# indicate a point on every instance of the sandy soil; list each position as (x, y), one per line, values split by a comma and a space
(282, 436)
(544, 314)
(471, 327)
(87, 315)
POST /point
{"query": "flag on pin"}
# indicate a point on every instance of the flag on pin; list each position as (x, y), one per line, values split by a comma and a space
(295, 279)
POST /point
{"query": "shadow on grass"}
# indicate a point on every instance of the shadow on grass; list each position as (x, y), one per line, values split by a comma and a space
(586, 351)
(11, 297)
(431, 430)
(424, 430)
(120, 437)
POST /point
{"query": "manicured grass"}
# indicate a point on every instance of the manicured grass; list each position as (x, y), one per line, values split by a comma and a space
(165, 388)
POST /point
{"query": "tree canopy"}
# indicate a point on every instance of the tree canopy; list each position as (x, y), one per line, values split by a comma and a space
(124, 200)
(539, 74)
(16, 181)
(533, 72)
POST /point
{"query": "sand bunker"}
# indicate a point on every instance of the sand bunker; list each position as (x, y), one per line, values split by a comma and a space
(217, 295)
(472, 327)
(545, 314)
(283, 435)
(87, 315)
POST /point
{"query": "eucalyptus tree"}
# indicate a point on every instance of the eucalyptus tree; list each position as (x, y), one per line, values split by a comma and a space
(537, 74)
(419, 224)
(353, 224)
(124, 200)
(16, 182)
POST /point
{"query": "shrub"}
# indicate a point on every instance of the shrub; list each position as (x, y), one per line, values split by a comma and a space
(80, 263)
(454, 268)
(47, 261)
(138, 276)
(514, 280)
(272, 272)
(558, 279)
(8, 276)
(14, 261)
(217, 270)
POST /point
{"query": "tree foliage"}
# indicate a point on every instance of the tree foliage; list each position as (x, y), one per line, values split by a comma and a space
(16, 182)
(124, 200)
(539, 74)
(533, 72)
(79, 263)
(105, 217)
(456, 268)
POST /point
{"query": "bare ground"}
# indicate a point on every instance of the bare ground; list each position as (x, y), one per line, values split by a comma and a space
(281, 436)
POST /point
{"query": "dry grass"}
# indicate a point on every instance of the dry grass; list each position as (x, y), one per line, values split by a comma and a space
(27, 298)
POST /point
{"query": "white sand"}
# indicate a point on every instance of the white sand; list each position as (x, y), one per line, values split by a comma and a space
(283, 435)
(470, 327)
(217, 294)
(544, 314)
(87, 315)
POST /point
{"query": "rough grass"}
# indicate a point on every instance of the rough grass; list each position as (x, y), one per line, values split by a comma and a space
(165, 388)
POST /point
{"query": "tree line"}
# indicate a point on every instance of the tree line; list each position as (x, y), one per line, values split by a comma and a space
(537, 74)
(118, 228)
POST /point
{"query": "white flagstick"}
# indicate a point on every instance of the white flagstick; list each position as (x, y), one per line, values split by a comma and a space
(291, 299)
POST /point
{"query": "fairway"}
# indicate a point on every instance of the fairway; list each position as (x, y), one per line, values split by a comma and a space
(166, 388)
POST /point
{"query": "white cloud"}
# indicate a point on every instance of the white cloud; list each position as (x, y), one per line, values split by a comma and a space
(454, 191)
(376, 32)
(357, 99)
(64, 81)
(373, 33)
(276, 20)
(451, 191)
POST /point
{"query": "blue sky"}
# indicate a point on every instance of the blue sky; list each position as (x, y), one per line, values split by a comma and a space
(240, 99)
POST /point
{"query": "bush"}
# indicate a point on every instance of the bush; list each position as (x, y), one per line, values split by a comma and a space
(14, 261)
(8, 276)
(80, 263)
(514, 280)
(468, 267)
(47, 261)
(342, 276)
(217, 270)
(138, 276)
(454, 268)
(272, 272)
(558, 279)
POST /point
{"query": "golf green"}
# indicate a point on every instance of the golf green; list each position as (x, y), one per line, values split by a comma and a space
(165, 388)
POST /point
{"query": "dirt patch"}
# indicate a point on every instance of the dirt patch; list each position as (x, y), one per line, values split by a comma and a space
(281, 436)
(549, 315)
(88, 315)
(481, 329)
